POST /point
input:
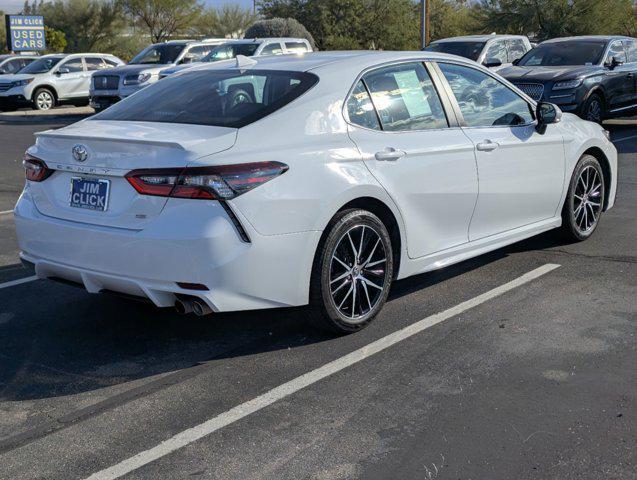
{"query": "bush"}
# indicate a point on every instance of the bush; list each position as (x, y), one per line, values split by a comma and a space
(279, 27)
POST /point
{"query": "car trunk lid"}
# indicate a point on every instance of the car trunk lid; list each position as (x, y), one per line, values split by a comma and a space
(107, 150)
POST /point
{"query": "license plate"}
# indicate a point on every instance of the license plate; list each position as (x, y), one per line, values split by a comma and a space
(89, 193)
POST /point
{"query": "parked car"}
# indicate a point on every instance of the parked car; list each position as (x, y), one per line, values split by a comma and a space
(348, 170)
(493, 51)
(248, 48)
(110, 86)
(54, 79)
(592, 76)
(13, 63)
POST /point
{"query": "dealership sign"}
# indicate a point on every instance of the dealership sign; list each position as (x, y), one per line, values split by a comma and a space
(25, 33)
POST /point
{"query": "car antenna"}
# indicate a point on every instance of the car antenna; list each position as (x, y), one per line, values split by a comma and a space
(245, 62)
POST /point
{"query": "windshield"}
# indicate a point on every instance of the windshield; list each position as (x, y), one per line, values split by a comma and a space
(162, 54)
(469, 50)
(220, 98)
(227, 51)
(564, 53)
(41, 65)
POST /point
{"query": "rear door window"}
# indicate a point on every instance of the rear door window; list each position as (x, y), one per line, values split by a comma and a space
(224, 98)
(94, 63)
(405, 98)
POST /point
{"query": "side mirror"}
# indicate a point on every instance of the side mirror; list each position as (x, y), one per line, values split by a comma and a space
(516, 61)
(185, 60)
(63, 71)
(547, 113)
(492, 62)
(614, 62)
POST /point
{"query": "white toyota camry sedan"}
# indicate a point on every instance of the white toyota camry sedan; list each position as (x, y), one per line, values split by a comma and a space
(318, 180)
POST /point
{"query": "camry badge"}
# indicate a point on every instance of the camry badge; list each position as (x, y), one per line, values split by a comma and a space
(80, 153)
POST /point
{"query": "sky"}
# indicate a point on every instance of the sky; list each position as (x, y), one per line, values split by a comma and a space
(14, 6)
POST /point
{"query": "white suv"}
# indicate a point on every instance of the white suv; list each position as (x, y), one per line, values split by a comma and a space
(112, 85)
(54, 79)
(493, 51)
(248, 48)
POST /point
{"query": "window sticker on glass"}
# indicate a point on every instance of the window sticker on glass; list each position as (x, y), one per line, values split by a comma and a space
(412, 93)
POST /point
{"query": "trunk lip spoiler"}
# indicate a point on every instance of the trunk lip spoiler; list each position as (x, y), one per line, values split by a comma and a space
(84, 137)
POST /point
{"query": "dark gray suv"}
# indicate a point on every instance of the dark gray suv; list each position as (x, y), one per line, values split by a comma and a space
(594, 77)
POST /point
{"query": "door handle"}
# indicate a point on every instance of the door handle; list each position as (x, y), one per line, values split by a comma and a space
(487, 146)
(389, 155)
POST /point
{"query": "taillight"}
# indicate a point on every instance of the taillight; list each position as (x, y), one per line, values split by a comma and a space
(35, 169)
(205, 183)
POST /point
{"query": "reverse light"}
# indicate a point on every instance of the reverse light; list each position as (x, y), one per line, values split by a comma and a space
(205, 183)
(136, 79)
(567, 84)
(35, 170)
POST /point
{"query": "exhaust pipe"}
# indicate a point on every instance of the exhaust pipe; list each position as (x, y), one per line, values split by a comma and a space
(184, 306)
(201, 308)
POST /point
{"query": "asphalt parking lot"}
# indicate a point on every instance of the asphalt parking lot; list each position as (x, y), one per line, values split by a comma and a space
(533, 378)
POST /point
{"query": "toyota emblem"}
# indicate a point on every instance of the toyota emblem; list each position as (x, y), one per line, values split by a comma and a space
(80, 153)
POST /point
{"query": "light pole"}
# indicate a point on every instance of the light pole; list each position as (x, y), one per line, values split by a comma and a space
(424, 23)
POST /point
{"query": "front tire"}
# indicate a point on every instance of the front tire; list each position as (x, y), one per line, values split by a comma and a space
(352, 272)
(593, 110)
(584, 202)
(43, 99)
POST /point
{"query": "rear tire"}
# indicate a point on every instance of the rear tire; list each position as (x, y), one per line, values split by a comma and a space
(352, 272)
(44, 99)
(584, 202)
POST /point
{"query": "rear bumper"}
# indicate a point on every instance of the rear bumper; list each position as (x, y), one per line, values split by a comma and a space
(191, 241)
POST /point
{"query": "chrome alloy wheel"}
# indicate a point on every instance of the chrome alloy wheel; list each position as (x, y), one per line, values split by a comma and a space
(44, 100)
(358, 272)
(587, 203)
(594, 111)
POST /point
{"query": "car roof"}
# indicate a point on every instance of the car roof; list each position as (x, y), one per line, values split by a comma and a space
(604, 38)
(477, 38)
(354, 61)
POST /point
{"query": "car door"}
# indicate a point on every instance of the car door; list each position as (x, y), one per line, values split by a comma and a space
(422, 158)
(618, 81)
(71, 79)
(520, 171)
(630, 46)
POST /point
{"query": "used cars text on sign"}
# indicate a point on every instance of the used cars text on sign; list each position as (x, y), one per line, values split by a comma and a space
(25, 33)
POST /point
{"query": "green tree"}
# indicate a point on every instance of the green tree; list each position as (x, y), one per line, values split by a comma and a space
(55, 40)
(228, 21)
(545, 19)
(163, 18)
(85, 23)
(3, 34)
(279, 27)
(346, 24)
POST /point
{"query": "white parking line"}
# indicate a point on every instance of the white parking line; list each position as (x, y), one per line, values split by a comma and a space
(20, 281)
(193, 434)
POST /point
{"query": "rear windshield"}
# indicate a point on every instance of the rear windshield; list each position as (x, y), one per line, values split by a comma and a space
(470, 50)
(576, 52)
(222, 98)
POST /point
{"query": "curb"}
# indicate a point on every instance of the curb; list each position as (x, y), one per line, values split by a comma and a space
(34, 119)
